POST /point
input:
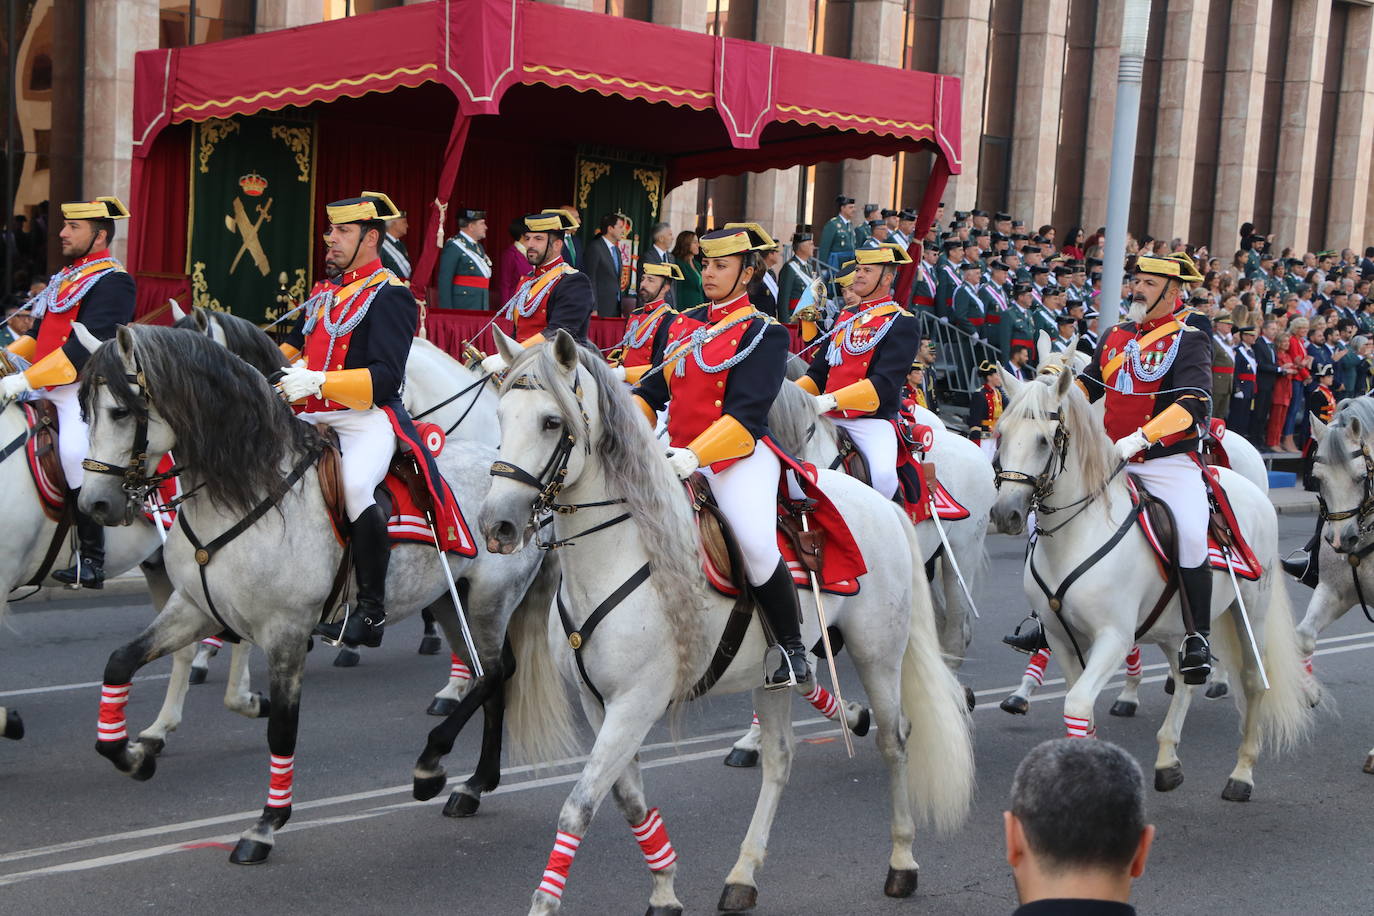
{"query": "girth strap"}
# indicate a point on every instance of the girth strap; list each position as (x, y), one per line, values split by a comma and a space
(206, 552)
(578, 636)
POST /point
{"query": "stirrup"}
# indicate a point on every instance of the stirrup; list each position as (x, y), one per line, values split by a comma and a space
(342, 623)
(1021, 642)
(768, 682)
(1197, 673)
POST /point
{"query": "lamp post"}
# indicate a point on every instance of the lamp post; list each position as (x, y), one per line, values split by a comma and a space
(1135, 29)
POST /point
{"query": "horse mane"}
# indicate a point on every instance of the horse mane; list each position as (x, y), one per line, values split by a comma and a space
(1361, 409)
(1037, 402)
(242, 338)
(232, 431)
(793, 419)
(631, 461)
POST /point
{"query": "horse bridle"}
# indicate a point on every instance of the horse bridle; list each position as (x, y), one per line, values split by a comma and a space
(1364, 512)
(551, 479)
(1042, 484)
(138, 483)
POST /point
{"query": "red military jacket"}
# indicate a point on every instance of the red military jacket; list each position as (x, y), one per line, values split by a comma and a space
(357, 293)
(641, 332)
(75, 296)
(879, 344)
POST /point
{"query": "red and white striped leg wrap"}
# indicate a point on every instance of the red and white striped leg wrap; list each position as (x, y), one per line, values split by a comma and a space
(1307, 664)
(1133, 667)
(823, 701)
(653, 841)
(458, 669)
(560, 860)
(212, 642)
(1035, 669)
(283, 774)
(755, 723)
(112, 700)
(1077, 728)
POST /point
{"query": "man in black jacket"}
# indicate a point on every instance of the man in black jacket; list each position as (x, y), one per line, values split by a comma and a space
(1267, 372)
(604, 264)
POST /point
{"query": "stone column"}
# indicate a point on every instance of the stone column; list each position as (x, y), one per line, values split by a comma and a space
(1035, 132)
(1097, 161)
(1242, 116)
(679, 208)
(964, 53)
(1185, 42)
(287, 14)
(1347, 212)
(1298, 124)
(772, 195)
(877, 39)
(115, 31)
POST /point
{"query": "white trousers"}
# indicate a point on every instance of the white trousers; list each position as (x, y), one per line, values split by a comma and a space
(366, 444)
(747, 493)
(1177, 481)
(72, 442)
(877, 442)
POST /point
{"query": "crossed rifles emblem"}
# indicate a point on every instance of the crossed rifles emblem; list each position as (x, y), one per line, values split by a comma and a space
(248, 231)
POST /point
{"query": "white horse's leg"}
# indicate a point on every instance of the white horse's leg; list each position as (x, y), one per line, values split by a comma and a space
(453, 691)
(745, 752)
(237, 695)
(1104, 657)
(857, 718)
(200, 666)
(775, 721)
(1368, 761)
(956, 631)
(627, 720)
(1128, 701)
(1327, 605)
(169, 717)
(1018, 702)
(652, 836)
(1168, 768)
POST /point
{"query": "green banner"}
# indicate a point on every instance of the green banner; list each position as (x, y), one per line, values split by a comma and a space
(252, 181)
(617, 181)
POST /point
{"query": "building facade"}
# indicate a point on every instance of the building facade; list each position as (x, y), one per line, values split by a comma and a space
(1252, 110)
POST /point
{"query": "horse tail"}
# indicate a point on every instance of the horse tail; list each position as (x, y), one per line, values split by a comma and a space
(538, 713)
(1285, 715)
(939, 747)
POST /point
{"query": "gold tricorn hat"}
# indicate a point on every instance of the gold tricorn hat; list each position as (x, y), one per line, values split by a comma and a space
(672, 271)
(550, 221)
(845, 275)
(100, 208)
(884, 253)
(369, 206)
(736, 238)
(1175, 267)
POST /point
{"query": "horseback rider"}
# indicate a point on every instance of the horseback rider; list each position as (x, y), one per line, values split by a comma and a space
(97, 291)
(349, 354)
(857, 379)
(1155, 371)
(646, 331)
(725, 364)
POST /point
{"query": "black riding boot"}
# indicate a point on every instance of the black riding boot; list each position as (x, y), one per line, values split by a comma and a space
(90, 539)
(371, 554)
(1303, 565)
(777, 599)
(1029, 636)
(1195, 658)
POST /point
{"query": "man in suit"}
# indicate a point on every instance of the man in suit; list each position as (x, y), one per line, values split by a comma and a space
(572, 249)
(1240, 417)
(395, 257)
(660, 251)
(1267, 372)
(604, 264)
(464, 268)
(837, 238)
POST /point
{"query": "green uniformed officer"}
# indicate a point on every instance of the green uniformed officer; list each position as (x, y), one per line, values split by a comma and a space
(464, 268)
(837, 238)
(798, 273)
(1018, 324)
(864, 230)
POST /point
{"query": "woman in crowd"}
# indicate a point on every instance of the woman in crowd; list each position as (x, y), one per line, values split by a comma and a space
(687, 254)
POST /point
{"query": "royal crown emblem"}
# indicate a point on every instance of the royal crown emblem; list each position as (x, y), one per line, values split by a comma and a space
(253, 184)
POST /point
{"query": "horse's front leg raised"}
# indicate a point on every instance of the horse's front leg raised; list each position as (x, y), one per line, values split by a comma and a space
(1128, 701)
(1328, 603)
(774, 709)
(154, 737)
(286, 667)
(1018, 701)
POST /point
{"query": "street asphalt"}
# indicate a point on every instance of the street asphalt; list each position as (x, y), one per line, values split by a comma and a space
(78, 837)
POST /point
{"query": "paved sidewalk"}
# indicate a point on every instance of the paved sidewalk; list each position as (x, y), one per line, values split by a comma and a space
(1293, 501)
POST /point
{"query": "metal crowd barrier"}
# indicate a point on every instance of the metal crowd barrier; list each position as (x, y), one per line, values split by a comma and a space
(957, 357)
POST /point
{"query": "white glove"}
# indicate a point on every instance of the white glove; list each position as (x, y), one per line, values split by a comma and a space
(618, 372)
(494, 364)
(683, 461)
(299, 383)
(826, 403)
(1129, 446)
(12, 386)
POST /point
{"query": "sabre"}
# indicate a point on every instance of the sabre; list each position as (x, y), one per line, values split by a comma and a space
(829, 653)
(452, 588)
(1245, 617)
(953, 563)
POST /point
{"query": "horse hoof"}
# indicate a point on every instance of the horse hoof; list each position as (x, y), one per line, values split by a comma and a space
(860, 728)
(1015, 704)
(1169, 685)
(901, 882)
(427, 787)
(145, 769)
(741, 758)
(663, 911)
(1368, 764)
(14, 726)
(442, 706)
(1125, 709)
(309, 644)
(1169, 778)
(347, 658)
(1237, 791)
(250, 852)
(736, 898)
(1216, 690)
(461, 804)
(198, 675)
(969, 699)
(264, 706)
(153, 746)
(430, 645)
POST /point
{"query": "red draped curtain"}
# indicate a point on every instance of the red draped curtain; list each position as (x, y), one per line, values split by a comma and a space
(157, 244)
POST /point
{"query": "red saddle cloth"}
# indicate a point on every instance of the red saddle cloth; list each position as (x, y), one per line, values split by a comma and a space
(1243, 559)
(1216, 443)
(167, 493)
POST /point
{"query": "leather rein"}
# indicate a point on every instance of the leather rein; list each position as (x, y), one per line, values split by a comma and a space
(1364, 513)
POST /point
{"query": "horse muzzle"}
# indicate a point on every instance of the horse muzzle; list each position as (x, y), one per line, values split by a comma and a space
(108, 512)
(1009, 513)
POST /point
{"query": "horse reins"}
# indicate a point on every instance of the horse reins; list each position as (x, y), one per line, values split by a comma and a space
(1364, 513)
(475, 386)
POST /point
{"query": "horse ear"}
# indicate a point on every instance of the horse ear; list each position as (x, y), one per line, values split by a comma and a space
(1353, 431)
(1319, 429)
(177, 313)
(1064, 382)
(506, 346)
(1042, 346)
(201, 319)
(125, 339)
(565, 350)
(217, 333)
(1011, 383)
(87, 339)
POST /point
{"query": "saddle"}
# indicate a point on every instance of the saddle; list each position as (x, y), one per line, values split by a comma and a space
(919, 489)
(45, 465)
(1223, 531)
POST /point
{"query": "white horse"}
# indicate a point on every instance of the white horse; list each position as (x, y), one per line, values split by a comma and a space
(264, 557)
(562, 411)
(1344, 469)
(29, 535)
(1056, 459)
